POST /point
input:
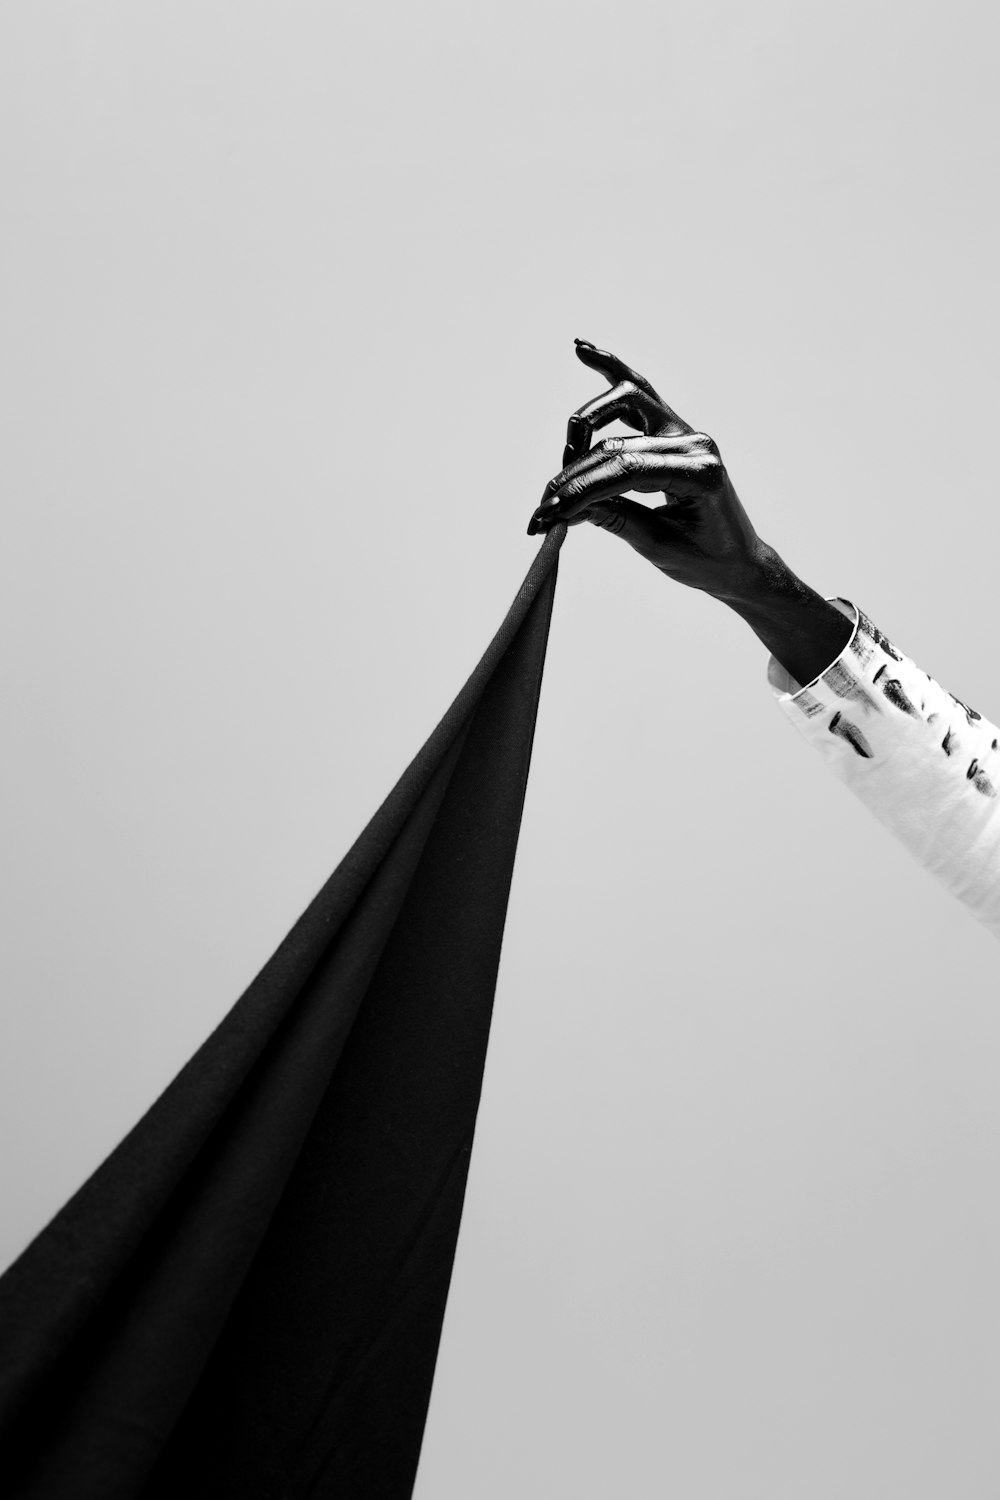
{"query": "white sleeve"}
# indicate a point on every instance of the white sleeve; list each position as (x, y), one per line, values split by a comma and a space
(922, 761)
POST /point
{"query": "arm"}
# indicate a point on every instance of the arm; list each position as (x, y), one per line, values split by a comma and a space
(924, 763)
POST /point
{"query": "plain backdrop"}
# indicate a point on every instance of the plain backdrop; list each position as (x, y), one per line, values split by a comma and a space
(287, 301)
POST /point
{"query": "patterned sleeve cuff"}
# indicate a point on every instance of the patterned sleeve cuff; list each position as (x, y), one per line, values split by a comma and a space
(922, 761)
(874, 700)
(851, 694)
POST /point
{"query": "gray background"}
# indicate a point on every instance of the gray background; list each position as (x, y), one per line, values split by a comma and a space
(288, 300)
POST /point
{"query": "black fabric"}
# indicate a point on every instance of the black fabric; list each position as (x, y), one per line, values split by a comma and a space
(245, 1299)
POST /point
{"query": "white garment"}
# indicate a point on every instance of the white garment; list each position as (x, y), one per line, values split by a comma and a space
(922, 761)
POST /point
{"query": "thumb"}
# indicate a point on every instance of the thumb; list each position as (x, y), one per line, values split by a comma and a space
(625, 518)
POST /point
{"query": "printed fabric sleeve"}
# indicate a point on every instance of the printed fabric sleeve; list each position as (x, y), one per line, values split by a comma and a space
(926, 764)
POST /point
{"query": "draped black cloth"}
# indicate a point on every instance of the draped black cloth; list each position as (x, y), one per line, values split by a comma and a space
(245, 1299)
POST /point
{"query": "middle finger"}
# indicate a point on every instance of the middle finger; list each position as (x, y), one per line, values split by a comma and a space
(625, 402)
(571, 469)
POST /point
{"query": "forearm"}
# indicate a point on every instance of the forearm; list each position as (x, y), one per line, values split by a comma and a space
(804, 631)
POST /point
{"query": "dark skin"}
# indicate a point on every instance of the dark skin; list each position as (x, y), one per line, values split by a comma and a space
(700, 536)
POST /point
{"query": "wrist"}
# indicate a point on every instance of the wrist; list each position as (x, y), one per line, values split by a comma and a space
(762, 580)
(801, 629)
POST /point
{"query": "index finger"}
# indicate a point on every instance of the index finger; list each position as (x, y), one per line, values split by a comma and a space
(617, 371)
(610, 366)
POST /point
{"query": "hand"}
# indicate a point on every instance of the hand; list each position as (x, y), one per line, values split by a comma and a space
(701, 536)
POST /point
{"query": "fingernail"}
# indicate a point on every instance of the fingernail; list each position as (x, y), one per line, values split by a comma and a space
(532, 526)
(585, 342)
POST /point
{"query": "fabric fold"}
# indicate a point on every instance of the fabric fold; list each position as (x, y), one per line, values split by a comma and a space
(246, 1297)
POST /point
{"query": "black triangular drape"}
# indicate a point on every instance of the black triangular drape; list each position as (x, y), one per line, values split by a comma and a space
(245, 1299)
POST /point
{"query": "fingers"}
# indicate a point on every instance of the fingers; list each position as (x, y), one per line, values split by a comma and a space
(652, 406)
(610, 366)
(625, 402)
(616, 463)
(571, 470)
(605, 481)
(545, 511)
(679, 466)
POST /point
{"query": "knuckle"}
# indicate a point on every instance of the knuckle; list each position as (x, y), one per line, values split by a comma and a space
(706, 472)
(622, 458)
(701, 443)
